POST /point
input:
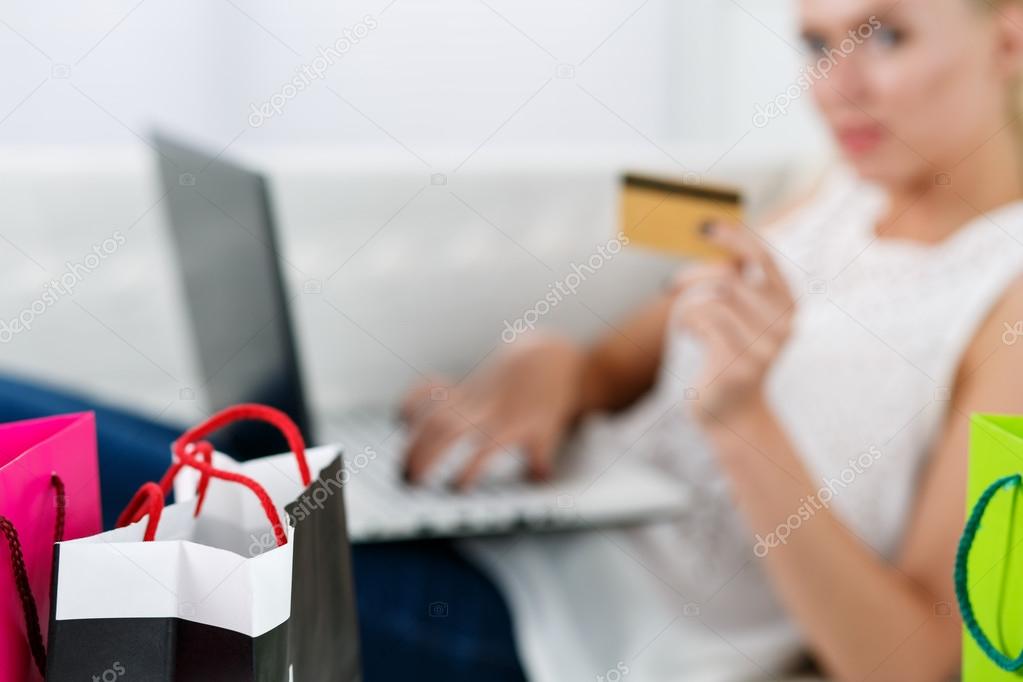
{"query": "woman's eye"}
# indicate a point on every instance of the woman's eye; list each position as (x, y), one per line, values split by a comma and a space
(815, 44)
(887, 36)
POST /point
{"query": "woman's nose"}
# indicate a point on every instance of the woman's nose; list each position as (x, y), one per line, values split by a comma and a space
(842, 78)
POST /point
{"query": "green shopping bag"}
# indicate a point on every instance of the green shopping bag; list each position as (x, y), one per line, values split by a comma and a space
(989, 562)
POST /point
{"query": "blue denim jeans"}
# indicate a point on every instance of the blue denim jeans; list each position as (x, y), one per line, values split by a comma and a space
(425, 613)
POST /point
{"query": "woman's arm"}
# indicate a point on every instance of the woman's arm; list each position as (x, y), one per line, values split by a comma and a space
(623, 365)
(863, 617)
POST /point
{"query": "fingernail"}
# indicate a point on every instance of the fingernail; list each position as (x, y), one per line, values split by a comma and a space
(707, 228)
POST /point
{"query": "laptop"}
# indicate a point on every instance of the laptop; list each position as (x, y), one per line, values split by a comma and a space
(223, 230)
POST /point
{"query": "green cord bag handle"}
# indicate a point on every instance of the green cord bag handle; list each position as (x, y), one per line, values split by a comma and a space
(962, 589)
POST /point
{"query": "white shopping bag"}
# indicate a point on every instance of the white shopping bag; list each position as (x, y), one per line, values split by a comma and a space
(190, 604)
(249, 576)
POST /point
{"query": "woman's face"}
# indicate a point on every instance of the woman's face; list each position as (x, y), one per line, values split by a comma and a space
(909, 87)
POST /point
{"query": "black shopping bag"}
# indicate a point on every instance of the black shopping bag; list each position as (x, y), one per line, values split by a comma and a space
(228, 596)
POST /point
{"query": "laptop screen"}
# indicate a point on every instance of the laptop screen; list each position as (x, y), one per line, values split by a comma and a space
(223, 232)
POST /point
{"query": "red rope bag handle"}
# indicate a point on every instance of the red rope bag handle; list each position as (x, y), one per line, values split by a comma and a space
(190, 450)
(148, 501)
(251, 412)
(28, 603)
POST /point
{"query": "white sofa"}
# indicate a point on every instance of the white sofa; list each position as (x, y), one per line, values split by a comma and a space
(396, 269)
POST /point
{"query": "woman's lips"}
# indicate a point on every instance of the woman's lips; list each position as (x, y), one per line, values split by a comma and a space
(858, 140)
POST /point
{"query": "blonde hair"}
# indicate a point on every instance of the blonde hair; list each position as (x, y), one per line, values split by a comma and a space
(1016, 89)
(1015, 94)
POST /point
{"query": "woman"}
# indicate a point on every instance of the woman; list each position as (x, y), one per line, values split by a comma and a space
(812, 395)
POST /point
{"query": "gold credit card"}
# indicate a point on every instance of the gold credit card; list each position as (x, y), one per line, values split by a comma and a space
(667, 215)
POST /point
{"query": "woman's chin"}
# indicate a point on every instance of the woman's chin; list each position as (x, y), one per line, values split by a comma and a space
(880, 168)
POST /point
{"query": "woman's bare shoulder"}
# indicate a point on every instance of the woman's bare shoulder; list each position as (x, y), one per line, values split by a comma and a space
(996, 349)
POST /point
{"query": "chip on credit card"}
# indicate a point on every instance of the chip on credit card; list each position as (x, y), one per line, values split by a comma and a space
(669, 216)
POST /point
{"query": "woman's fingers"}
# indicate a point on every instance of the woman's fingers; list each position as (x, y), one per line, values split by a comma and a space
(698, 276)
(731, 330)
(429, 441)
(478, 463)
(752, 289)
(540, 452)
(742, 318)
(767, 311)
(419, 399)
(756, 261)
(744, 321)
(516, 439)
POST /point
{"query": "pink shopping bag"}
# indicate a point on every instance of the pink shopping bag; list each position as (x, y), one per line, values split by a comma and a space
(49, 489)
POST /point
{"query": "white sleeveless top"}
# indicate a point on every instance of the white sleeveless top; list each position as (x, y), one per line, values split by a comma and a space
(862, 390)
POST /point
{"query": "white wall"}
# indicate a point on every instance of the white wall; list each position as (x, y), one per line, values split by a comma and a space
(449, 74)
